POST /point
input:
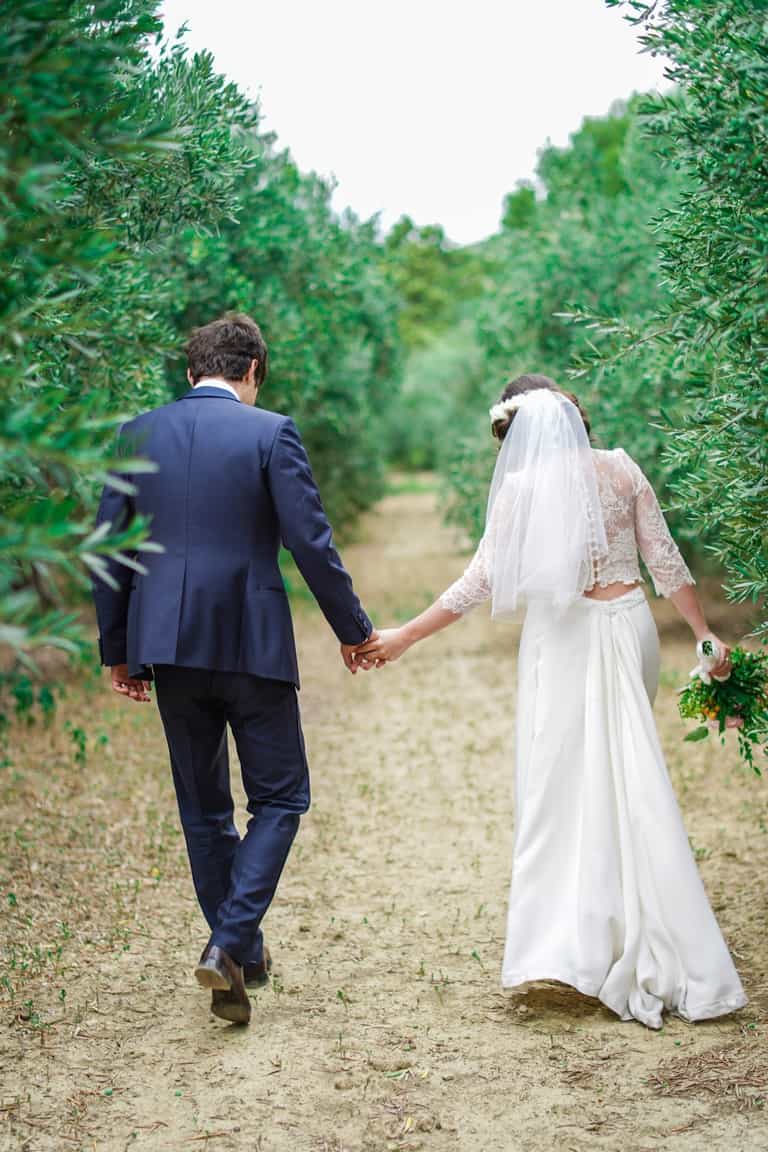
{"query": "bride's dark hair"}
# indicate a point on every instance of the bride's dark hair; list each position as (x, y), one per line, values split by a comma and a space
(530, 383)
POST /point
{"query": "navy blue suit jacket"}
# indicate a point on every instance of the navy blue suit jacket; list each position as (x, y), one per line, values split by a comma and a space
(232, 481)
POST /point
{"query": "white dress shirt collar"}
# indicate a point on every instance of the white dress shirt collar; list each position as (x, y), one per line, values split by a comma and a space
(211, 382)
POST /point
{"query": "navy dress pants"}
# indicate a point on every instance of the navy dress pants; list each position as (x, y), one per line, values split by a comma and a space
(235, 879)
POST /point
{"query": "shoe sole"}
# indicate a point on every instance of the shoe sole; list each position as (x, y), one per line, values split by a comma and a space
(211, 978)
(232, 1011)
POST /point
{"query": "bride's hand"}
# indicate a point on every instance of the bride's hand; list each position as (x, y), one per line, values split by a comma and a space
(722, 670)
(387, 647)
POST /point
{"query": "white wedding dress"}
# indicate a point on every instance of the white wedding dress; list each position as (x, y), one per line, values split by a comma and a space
(605, 894)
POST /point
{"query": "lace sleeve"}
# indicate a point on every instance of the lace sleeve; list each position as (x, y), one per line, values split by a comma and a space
(654, 540)
(470, 589)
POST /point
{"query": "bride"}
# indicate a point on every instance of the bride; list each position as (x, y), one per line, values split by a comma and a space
(605, 893)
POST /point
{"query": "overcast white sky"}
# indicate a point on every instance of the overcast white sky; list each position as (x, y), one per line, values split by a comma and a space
(432, 108)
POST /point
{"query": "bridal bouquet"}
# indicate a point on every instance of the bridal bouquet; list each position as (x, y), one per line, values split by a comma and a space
(740, 702)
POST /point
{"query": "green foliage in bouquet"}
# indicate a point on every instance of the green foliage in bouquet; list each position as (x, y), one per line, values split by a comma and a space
(740, 702)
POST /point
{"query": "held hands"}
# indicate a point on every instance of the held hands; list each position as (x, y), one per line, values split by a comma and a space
(379, 649)
(384, 647)
(354, 657)
(350, 654)
(129, 686)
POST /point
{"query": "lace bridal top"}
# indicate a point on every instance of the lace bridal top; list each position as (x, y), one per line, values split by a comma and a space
(634, 523)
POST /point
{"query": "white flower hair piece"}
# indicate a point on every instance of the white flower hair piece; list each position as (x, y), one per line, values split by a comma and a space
(505, 408)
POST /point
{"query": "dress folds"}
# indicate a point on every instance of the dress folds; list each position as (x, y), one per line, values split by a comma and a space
(605, 894)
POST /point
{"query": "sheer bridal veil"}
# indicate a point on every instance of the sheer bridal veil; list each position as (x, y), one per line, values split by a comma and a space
(544, 525)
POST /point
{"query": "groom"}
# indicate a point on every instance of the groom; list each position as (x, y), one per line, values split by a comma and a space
(209, 620)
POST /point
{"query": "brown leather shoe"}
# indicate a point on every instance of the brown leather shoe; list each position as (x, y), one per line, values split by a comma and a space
(224, 976)
(257, 975)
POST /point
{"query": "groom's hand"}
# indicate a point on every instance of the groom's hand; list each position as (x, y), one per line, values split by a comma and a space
(127, 685)
(350, 654)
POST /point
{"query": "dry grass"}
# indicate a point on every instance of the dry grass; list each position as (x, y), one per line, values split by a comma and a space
(384, 1027)
(735, 1073)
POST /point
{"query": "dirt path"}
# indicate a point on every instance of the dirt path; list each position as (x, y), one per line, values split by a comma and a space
(384, 1027)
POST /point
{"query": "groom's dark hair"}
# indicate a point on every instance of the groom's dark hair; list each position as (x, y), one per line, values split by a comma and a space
(226, 347)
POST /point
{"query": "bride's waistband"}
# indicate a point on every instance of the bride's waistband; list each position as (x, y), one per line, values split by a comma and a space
(618, 604)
